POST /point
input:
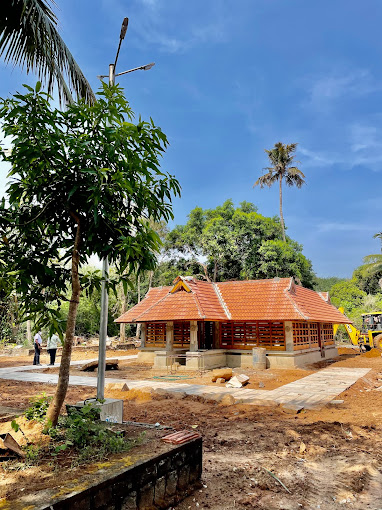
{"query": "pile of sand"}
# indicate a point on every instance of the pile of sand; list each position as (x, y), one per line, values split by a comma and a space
(139, 396)
(373, 353)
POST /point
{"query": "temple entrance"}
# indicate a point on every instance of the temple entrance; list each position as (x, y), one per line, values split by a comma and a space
(206, 330)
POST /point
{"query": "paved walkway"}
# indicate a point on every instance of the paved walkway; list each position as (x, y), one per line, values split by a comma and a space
(312, 391)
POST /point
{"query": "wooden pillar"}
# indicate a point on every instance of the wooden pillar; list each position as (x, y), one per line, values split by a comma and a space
(216, 342)
(288, 328)
(169, 336)
(143, 334)
(193, 336)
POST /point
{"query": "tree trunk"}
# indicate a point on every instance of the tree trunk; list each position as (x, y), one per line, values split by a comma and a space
(63, 377)
(281, 209)
(122, 326)
(215, 270)
(151, 274)
(139, 325)
(29, 332)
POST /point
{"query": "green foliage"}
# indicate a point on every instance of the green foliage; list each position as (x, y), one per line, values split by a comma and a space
(29, 38)
(281, 157)
(280, 259)
(238, 243)
(38, 407)
(33, 454)
(82, 431)
(88, 167)
(367, 280)
(347, 294)
(325, 284)
(369, 275)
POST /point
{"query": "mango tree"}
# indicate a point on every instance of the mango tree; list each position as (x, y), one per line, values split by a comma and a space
(84, 181)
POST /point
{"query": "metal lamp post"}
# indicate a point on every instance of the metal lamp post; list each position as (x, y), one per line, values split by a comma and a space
(105, 263)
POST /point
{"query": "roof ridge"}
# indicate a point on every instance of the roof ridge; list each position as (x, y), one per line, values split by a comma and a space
(221, 300)
(199, 306)
(287, 292)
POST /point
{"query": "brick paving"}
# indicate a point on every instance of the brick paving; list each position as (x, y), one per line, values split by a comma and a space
(312, 391)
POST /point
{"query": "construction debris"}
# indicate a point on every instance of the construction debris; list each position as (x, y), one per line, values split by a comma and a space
(237, 381)
(183, 436)
(7, 442)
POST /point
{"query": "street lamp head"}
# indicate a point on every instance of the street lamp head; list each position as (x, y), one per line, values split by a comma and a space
(125, 23)
(148, 66)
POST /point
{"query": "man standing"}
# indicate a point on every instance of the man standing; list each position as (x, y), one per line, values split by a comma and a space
(37, 348)
(52, 348)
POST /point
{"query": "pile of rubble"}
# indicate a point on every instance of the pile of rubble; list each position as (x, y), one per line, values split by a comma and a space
(225, 375)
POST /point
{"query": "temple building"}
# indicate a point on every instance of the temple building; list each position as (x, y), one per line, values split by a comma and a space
(227, 322)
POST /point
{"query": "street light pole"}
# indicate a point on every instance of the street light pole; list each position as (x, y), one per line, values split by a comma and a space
(104, 299)
(105, 262)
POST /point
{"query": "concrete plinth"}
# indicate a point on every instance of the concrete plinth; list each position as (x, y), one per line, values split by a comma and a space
(299, 359)
(206, 359)
(235, 358)
(146, 356)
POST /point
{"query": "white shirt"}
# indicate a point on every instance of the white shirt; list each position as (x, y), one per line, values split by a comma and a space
(53, 342)
(37, 338)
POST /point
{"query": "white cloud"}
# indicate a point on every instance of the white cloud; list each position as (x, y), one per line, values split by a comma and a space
(360, 145)
(324, 90)
(342, 227)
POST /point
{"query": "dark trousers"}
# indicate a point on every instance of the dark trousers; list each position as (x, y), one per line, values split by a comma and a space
(52, 354)
(36, 359)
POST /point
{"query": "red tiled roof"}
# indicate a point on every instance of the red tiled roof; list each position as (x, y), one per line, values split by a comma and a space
(269, 300)
(202, 303)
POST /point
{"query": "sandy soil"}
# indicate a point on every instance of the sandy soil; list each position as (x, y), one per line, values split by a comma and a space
(16, 361)
(131, 370)
(327, 459)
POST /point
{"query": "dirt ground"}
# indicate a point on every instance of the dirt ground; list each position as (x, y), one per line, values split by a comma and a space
(16, 361)
(326, 459)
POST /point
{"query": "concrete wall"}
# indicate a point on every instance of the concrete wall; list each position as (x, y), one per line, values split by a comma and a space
(158, 483)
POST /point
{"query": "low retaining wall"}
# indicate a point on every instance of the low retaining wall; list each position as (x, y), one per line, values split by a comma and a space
(236, 358)
(298, 359)
(153, 484)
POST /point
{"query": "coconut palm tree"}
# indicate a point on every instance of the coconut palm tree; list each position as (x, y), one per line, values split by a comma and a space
(374, 262)
(29, 38)
(282, 158)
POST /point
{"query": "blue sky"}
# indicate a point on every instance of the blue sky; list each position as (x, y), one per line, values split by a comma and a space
(233, 77)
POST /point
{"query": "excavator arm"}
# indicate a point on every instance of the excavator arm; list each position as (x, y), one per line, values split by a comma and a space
(354, 333)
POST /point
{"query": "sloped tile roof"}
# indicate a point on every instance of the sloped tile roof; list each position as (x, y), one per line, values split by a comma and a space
(277, 299)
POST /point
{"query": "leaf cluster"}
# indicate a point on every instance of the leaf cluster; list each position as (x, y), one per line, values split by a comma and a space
(29, 38)
(88, 168)
(240, 243)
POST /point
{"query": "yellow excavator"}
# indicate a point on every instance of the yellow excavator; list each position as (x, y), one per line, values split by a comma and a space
(371, 334)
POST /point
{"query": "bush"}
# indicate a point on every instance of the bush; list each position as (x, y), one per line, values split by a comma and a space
(38, 408)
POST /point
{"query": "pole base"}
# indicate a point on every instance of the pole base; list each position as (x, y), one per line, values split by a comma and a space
(111, 409)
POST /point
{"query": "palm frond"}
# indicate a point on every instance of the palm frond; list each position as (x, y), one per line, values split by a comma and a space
(267, 179)
(29, 38)
(373, 263)
(294, 177)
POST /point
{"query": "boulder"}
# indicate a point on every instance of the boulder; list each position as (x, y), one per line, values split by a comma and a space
(111, 364)
(220, 380)
(227, 400)
(178, 395)
(223, 373)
